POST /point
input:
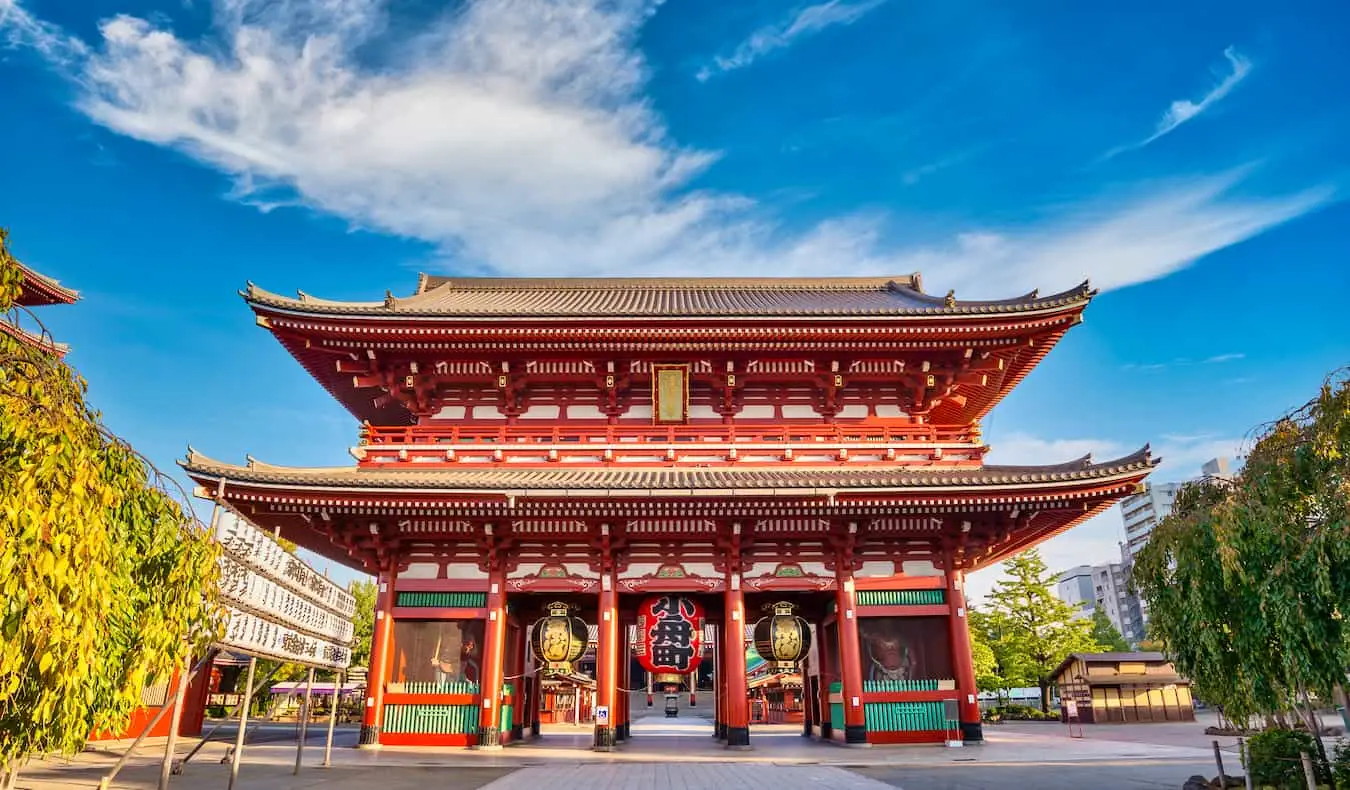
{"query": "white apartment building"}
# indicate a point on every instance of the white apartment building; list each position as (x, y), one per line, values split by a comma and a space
(1086, 587)
(1143, 511)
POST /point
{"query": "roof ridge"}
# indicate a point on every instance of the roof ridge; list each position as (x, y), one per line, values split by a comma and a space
(430, 283)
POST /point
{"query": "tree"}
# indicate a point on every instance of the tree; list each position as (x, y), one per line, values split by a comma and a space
(1105, 633)
(1032, 630)
(107, 582)
(363, 619)
(1246, 580)
(988, 668)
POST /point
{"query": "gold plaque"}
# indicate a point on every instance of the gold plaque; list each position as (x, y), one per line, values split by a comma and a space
(670, 393)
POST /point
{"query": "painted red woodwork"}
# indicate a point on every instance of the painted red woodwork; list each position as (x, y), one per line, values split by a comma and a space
(443, 585)
(733, 658)
(494, 656)
(381, 643)
(437, 613)
(913, 736)
(430, 699)
(426, 739)
(900, 583)
(607, 652)
(660, 613)
(850, 657)
(961, 657)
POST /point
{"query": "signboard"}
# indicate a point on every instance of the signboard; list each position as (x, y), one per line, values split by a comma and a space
(276, 606)
(1070, 709)
(602, 715)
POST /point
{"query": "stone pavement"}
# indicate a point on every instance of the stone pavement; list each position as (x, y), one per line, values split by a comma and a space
(679, 753)
(696, 776)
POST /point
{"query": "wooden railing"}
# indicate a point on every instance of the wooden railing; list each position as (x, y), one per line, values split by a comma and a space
(665, 445)
(415, 435)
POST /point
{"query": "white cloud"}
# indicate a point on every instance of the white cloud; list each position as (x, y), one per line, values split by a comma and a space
(515, 136)
(1183, 110)
(806, 22)
(20, 28)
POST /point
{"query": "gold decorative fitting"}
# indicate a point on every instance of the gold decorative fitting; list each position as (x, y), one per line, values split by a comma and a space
(930, 380)
(838, 380)
(609, 382)
(408, 381)
(731, 379)
(501, 382)
(950, 301)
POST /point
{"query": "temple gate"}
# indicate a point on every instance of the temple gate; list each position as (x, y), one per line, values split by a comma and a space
(741, 442)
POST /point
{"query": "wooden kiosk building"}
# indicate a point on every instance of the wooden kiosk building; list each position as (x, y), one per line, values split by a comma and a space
(741, 442)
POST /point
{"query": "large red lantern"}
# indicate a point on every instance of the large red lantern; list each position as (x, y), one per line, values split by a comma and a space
(669, 634)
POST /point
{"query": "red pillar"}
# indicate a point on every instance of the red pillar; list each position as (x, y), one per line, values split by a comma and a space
(962, 661)
(737, 708)
(621, 694)
(720, 682)
(606, 662)
(378, 673)
(494, 655)
(850, 661)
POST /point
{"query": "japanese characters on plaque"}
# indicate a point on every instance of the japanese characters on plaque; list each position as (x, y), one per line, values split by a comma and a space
(276, 605)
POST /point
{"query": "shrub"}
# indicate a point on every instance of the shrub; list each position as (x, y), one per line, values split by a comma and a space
(1340, 764)
(1274, 759)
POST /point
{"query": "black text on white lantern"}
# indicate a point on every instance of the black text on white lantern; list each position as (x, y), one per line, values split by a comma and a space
(783, 638)
(559, 639)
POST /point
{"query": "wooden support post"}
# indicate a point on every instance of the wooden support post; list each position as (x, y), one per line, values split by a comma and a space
(850, 660)
(606, 664)
(332, 719)
(238, 753)
(621, 702)
(372, 718)
(175, 718)
(972, 731)
(303, 728)
(733, 659)
(719, 693)
(494, 654)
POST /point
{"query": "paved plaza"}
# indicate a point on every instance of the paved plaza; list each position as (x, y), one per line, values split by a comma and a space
(680, 753)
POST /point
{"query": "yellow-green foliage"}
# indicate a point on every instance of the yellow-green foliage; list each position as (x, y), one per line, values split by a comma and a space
(106, 582)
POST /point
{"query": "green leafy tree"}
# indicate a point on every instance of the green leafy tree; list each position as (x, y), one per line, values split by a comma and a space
(1105, 633)
(363, 620)
(988, 669)
(1247, 579)
(107, 582)
(1032, 630)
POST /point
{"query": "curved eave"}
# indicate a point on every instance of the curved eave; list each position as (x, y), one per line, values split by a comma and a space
(623, 483)
(36, 341)
(38, 290)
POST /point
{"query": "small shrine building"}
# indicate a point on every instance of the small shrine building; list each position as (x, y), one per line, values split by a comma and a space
(744, 443)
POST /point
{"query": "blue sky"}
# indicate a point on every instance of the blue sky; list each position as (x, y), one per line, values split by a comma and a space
(1191, 159)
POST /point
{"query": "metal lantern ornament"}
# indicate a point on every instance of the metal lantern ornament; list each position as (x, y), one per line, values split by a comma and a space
(670, 634)
(782, 639)
(560, 639)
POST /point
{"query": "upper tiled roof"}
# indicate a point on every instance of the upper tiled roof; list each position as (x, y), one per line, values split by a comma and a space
(656, 480)
(656, 297)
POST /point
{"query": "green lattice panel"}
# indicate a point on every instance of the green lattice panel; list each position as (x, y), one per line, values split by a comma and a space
(904, 716)
(900, 685)
(443, 600)
(901, 597)
(431, 719)
(453, 687)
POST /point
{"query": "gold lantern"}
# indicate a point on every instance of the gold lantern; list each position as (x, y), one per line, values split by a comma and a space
(783, 639)
(560, 639)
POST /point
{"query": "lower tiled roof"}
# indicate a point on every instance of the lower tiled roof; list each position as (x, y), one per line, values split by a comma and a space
(619, 479)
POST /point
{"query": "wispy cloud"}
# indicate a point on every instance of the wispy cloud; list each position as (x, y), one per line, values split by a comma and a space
(806, 22)
(18, 28)
(1182, 362)
(518, 139)
(1182, 110)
